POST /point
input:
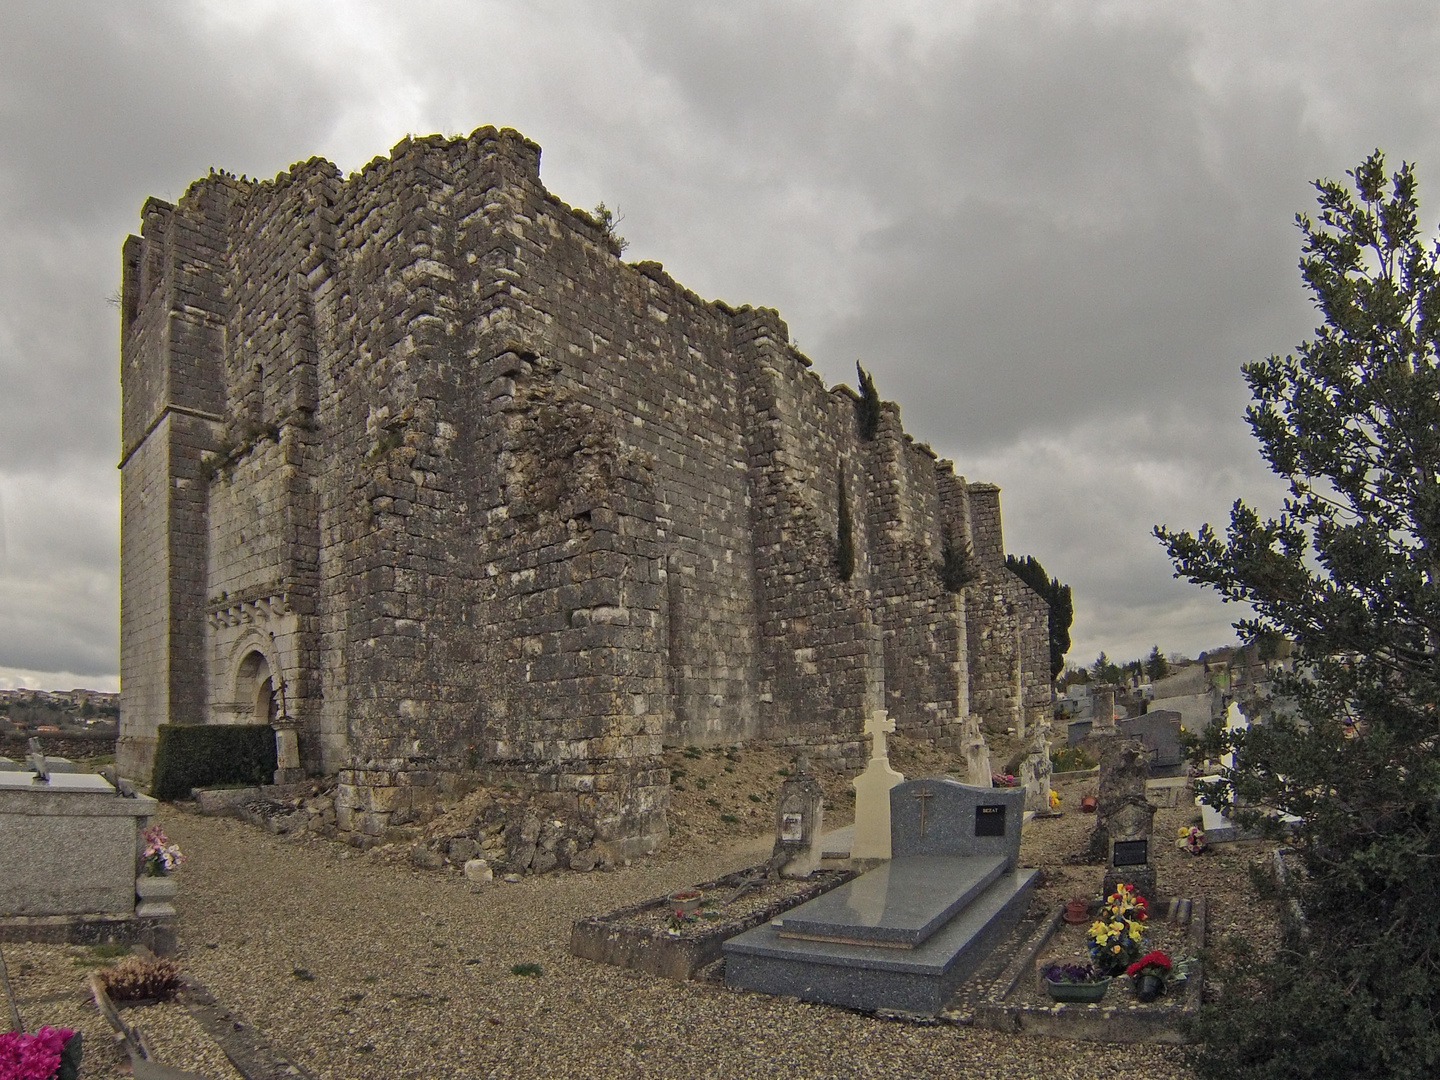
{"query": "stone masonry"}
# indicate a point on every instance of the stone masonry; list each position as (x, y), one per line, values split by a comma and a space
(413, 459)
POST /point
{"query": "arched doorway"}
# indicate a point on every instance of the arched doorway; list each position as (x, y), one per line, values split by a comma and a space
(255, 688)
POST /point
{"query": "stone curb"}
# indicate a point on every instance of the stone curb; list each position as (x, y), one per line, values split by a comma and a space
(247, 1049)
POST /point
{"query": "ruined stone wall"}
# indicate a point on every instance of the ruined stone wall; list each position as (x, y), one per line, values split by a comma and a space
(1008, 628)
(820, 659)
(922, 624)
(490, 502)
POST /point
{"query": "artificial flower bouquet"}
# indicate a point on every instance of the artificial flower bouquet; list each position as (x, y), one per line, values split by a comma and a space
(1116, 938)
(48, 1054)
(1149, 975)
(1191, 841)
(159, 857)
(1126, 903)
(1154, 963)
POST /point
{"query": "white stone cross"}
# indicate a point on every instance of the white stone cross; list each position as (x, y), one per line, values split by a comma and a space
(876, 727)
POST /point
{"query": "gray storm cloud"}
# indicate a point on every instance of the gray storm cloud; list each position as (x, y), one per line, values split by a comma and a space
(1053, 231)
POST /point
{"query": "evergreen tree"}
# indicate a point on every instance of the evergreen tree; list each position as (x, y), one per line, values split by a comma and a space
(1350, 571)
(1057, 596)
(1156, 666)
(1105, 671)
(869, 404)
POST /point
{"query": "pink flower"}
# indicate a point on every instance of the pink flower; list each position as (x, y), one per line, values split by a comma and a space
(32, 1057)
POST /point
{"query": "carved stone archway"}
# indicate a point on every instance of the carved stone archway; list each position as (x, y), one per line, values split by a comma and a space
(254, 695)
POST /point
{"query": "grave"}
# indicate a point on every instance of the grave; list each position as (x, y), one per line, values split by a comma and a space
(1130, 857)
(903, 936)
(1124, 773)
(799, 820)
(1159, 730)
(870, 838)
(70, 842)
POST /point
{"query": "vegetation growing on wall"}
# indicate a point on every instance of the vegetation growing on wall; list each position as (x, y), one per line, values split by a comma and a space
(869, 405)
(957, 562)
(1057, 596)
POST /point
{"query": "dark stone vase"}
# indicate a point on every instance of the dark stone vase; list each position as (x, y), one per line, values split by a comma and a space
(1149, 987)
(1088, 992)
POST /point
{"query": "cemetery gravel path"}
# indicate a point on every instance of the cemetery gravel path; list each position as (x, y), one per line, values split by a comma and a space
(357, 967)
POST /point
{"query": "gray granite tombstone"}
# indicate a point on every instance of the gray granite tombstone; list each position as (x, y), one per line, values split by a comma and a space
(903, 936)
(943, 817)
(1159, 730)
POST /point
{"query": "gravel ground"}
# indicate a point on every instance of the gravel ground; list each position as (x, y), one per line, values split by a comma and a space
(356, 965)
(50, 985)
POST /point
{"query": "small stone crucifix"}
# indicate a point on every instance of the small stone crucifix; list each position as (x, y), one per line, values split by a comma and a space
(878, 724)
(923, 795)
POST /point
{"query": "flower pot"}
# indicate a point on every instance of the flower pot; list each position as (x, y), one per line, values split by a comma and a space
(1149, 987)
(155, 894)
(1087, 991)
(686, 901)
(1077, 911)
(155, 888)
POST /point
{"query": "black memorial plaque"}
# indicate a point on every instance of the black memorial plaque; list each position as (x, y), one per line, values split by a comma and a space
(990, 821)
(1131, 853)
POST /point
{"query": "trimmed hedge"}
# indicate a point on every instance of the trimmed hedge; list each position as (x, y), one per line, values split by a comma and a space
(206, 755)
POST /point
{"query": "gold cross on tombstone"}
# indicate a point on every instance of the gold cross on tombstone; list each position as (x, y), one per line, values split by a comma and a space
(923, 795)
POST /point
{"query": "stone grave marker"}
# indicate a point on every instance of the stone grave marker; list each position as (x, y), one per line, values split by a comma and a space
(1124, 769)
(799, 818)
(943, 817)
(1123, 815)
(1102, 709)
(1159, 730)
(1131, 857)
(872, 794)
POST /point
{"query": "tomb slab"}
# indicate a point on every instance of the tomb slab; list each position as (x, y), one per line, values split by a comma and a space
(900, 904)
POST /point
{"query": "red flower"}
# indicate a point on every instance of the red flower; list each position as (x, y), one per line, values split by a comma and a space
(1156, 959)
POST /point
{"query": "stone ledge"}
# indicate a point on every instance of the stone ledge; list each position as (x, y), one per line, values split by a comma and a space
(251, 1054)
(157, 935)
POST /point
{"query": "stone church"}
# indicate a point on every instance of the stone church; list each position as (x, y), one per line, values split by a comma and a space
(415, 466)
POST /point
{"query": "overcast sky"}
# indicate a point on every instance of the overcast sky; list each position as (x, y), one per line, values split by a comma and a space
(1052, 231)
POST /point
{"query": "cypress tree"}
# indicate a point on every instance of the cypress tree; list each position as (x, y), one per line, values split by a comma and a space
(869, 405)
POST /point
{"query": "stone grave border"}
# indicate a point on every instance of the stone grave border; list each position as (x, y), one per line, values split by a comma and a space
(252, 1054)
(156, 934)
(1124, 1023)
(599, 938)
